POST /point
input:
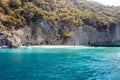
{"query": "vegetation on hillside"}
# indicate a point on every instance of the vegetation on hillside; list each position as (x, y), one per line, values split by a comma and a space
(17, 13)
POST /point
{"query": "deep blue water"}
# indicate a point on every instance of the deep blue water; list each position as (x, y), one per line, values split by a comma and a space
(101, 63)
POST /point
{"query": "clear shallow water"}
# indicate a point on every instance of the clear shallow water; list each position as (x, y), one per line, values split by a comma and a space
(60, 64)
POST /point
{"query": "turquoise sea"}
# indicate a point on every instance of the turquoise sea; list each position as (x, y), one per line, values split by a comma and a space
(100, 63)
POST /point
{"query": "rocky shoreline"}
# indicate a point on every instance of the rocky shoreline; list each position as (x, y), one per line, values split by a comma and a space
(9, 41)
(44, 34)
(56, 46)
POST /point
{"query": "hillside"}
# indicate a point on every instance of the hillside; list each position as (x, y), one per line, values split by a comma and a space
(17, 14)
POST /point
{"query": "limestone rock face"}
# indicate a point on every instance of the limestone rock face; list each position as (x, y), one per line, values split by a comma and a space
(9, 41)
(44, 33)
(116, 36)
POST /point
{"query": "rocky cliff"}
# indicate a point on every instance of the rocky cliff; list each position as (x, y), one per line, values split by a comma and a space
(58, 22)
(9, 41)
(43, 33)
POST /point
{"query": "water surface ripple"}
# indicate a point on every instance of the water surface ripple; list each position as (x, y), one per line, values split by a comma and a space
(100, 63)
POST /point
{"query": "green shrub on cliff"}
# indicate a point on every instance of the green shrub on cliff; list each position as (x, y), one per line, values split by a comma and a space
(15, 3)
(1, 10)
(66, 34)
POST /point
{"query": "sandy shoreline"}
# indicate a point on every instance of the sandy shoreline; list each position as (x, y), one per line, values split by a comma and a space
(56, 46)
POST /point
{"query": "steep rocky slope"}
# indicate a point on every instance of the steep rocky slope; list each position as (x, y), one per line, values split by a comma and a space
(44, 34)
(58, 22)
